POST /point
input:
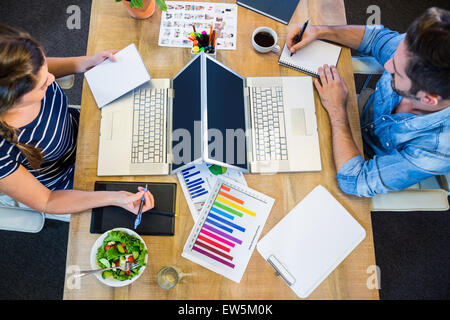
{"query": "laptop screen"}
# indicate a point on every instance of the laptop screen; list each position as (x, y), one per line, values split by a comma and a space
(226, 115)
(186, 115)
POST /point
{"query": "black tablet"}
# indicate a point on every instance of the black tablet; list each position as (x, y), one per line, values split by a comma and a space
(160, 221)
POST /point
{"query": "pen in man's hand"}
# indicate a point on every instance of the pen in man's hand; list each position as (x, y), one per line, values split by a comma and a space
(299, 37)
(139, 215)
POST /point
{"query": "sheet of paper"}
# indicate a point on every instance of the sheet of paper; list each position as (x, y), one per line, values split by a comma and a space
(110, 80)
(230, 223)
(177, 21)
(197, 180)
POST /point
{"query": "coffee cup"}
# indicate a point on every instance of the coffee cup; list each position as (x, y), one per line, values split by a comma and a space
(264, 40)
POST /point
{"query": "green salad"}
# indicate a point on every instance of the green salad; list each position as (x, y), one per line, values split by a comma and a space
(118, 248)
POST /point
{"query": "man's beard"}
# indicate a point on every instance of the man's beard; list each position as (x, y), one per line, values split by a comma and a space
(404, 94)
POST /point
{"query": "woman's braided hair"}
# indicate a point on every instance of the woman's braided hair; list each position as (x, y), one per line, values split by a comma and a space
(21, 58)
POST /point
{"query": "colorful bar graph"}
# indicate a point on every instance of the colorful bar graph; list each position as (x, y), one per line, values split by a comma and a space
(223, 234)
(226, 215)
(229, 196)
(213, 257)
(218, 252)
(215, 244)
(231, 224)
(216, 237)
(221, 226)
(217, 204)
(238, 207)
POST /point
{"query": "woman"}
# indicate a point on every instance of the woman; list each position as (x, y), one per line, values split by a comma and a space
(38, 132)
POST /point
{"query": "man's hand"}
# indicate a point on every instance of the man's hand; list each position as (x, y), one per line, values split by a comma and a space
(333, 93)
(311, 34)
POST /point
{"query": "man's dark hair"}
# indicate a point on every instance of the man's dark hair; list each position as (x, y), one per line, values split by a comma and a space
(428, 43)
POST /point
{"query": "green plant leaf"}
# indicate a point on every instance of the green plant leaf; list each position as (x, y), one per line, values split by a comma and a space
(161, 4)
(136, 4)
(217, 170)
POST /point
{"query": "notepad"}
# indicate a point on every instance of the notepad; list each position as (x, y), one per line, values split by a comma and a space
(110, 80)
(311, 241)
(310, 58)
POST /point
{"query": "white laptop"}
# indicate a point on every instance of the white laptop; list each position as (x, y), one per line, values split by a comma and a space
(209, 113)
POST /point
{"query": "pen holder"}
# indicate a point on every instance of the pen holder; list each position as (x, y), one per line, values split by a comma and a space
(211, 55)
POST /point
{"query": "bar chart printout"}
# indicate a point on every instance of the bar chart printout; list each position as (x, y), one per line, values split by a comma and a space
(230, 223)
(197, 180)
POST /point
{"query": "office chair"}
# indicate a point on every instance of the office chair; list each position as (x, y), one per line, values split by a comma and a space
(428, 195)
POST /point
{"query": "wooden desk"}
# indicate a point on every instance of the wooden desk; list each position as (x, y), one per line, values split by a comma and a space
(112, 27)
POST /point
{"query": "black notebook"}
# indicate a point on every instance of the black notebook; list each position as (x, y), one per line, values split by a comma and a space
(279, 10)
(157, 221)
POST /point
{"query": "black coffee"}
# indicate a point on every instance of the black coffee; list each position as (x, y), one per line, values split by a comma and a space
(264, 39)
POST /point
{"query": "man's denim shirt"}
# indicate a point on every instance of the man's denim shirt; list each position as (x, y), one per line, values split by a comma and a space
(406, 148)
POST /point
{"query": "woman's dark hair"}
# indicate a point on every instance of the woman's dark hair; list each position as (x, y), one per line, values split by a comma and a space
(428, 43)
(21, 58)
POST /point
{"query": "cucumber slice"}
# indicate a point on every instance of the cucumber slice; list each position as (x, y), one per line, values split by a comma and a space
(105, 262)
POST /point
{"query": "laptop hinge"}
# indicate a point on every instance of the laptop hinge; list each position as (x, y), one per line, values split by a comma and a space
(171, 93)
(246, 92)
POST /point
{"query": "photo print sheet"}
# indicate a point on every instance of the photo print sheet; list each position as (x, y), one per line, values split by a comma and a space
(177, 22)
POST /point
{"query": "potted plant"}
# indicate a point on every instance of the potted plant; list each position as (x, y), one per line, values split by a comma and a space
(142, 9)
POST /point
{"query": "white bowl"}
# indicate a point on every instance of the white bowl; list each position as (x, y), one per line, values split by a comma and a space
(111, 281)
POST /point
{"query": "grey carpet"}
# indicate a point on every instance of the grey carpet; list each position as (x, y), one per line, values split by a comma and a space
(46, 21)
(33, 265)
(411, 248)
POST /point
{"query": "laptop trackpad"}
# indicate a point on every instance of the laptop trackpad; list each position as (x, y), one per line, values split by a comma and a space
(298, 123)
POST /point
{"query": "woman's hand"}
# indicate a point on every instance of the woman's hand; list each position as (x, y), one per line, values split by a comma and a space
(88, 62)
(131, 201)
(333, 93)
(311, 34)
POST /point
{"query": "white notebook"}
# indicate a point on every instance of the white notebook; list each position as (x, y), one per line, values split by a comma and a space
(311, 241)
(110, 80)
(312, 57)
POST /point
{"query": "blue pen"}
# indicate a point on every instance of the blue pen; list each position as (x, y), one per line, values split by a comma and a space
(139, 215)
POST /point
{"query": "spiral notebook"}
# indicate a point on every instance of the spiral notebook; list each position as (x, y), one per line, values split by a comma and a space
(312, 57)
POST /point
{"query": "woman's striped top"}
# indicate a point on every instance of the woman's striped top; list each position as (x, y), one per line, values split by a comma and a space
(54, 131)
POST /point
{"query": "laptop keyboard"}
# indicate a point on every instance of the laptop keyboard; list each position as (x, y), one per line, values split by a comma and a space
(270, 130)
(148, 126)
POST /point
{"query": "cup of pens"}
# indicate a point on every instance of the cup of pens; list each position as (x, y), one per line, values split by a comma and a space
(203, 42)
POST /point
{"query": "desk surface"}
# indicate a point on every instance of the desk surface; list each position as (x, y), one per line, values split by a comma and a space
(112, 27)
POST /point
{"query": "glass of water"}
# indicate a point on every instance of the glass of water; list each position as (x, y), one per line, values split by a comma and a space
(168, 277)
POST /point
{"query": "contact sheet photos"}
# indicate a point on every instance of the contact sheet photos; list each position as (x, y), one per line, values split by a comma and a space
(182, 17)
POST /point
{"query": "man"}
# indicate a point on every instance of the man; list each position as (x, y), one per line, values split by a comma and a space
(406, 121)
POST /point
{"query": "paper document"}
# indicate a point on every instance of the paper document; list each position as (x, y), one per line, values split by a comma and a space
(230, 223)
(197, 180)
(110, 80)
